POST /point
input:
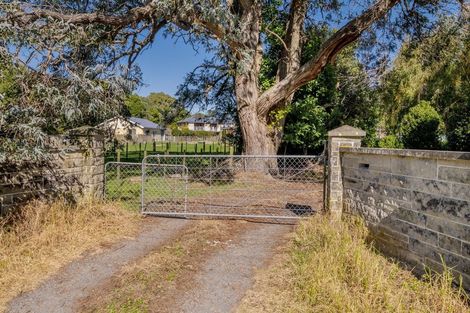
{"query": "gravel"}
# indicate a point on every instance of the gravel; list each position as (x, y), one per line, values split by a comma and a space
(228, 274)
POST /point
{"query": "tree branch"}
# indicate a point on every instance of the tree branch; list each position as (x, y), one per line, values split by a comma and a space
(135, 15)
(346, 35)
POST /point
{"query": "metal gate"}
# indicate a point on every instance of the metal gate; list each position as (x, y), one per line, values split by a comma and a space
(266, 187)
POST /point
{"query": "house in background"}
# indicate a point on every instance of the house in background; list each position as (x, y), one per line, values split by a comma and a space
(199, 122)
(134, 128)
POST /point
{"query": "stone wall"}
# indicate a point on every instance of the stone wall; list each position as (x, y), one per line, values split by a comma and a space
(417, 203)
(76, 167)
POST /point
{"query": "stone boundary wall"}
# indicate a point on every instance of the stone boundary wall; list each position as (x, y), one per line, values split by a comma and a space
(416, 203)
(76, 168)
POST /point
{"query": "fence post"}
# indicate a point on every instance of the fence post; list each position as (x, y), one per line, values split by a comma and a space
(344, 136)
(118, 172)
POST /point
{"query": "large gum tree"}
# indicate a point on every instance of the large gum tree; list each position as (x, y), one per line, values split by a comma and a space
(62, 38)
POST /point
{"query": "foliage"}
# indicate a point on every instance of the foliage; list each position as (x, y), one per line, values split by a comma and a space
(185, 131)
(390, 142)
(80, 55)
(458, 126)
(33, 106)
(420, 128)
(157, 107)
(342, 94)
(435, 69)
(135, 105)
(309, 128)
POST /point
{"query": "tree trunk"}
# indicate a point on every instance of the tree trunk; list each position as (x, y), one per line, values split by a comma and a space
(255, 132)
(256, 136)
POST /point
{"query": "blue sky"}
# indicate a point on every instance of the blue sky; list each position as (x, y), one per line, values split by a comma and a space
(165, 64)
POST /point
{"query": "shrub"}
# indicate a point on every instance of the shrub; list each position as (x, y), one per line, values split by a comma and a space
(390, 142)
(421, 127)
(185, 131)
(458, 127)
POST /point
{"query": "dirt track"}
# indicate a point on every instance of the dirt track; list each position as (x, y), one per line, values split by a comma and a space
(217, 286)
(62, 292)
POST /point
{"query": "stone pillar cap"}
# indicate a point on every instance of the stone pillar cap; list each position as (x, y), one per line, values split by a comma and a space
(346, 131)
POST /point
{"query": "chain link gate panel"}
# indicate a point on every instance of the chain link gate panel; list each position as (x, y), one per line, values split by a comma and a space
(266, 187)
(164, 189)
(123, 182)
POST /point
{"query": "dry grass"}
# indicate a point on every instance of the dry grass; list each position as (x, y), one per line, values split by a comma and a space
(42, 237)
(152, 283)
(330, 268)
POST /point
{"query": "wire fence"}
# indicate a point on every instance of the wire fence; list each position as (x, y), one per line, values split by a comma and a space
(266, 187)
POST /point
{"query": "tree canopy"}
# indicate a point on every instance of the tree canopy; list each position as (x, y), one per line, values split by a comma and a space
(435, 69)
(158, 107)
(79, 56)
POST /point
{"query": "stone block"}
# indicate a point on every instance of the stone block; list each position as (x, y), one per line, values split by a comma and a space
(411, 230)
(389, 234)
(334, 161)
(421, 184)
(454, 174)
(461, 191)
(396, 251)
(349, 160)
(410, 216)
(458, 210)
(448, 227)
(424, 168)
(368, 175)
(466, 249)
(379, 163)
(450, 244)
(372, 209)
(352, 183)
(387, 191)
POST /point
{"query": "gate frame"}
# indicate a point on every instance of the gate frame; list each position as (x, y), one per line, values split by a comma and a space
(187, 214)
(142, 187)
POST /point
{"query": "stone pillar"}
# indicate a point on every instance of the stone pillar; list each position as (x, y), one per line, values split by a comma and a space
(344, 136)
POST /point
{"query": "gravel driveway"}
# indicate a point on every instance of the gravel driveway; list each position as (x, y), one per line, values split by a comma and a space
(219, 284)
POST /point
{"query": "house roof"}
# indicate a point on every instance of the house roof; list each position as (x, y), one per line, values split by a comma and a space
(200, 119)
(144, 123)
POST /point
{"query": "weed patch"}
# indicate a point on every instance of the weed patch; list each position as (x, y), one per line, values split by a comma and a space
(41, 237)
(329, 267)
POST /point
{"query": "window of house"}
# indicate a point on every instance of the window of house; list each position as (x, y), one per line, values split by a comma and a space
(199, 126)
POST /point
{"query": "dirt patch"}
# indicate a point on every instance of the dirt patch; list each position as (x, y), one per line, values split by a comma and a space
(227, 275)
(152, 283)
(250, 194)
(80, 278)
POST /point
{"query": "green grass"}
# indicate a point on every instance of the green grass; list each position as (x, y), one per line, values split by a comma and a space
(127, 189)
(131, 306)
